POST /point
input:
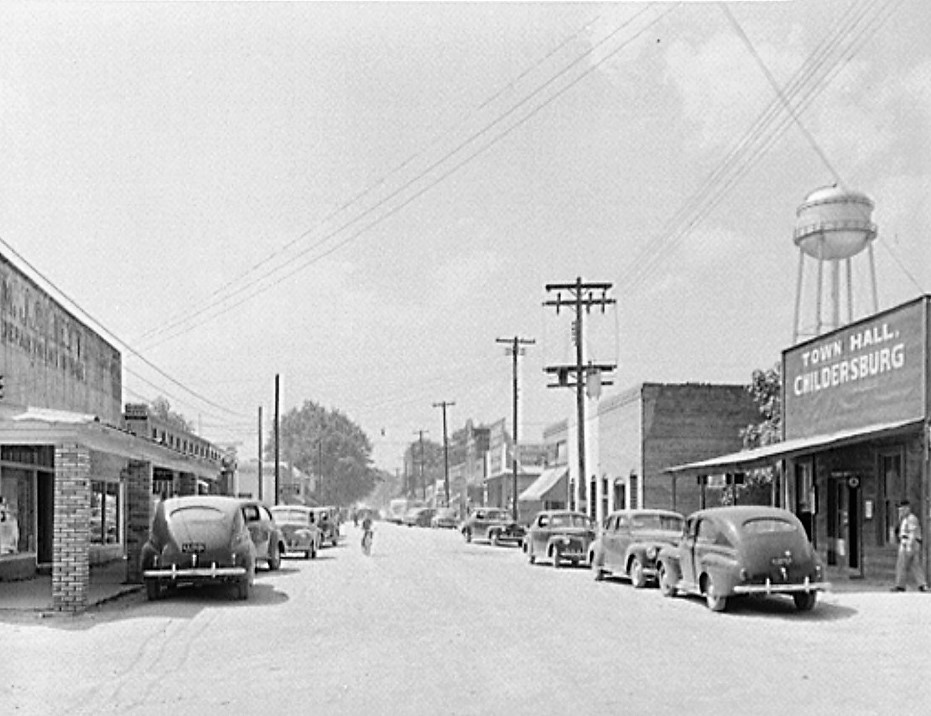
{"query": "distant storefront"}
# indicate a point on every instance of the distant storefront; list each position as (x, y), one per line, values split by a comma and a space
(856, 434)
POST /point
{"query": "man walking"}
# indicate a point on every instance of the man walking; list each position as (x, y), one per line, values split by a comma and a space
(909, 559)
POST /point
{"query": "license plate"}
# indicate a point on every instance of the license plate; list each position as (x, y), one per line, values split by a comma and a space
(193, 547)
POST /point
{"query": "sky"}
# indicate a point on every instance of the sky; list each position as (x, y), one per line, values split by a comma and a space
(362, 198)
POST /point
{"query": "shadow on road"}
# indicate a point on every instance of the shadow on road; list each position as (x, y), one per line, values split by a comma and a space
(780, 607)
(185, 602)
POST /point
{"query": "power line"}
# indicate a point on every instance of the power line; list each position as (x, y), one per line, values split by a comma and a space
(116, 338)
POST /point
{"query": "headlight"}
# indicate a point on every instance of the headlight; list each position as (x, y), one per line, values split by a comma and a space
(652, 552)
(565, 540)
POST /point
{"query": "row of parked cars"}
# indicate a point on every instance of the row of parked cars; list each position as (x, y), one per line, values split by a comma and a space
(717, 553)
(197, 539)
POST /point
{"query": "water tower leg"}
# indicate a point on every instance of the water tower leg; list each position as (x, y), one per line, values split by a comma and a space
(849, 292)
(869, 249)
(835, 295)
(798, 295)
(820, 291)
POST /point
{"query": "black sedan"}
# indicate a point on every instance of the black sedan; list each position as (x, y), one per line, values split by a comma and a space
(198, 539)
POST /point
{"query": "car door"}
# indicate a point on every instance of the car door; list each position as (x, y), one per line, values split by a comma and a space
(687, 551)
(539, 534)
(620, 542)
(257, 531)
(706, 534)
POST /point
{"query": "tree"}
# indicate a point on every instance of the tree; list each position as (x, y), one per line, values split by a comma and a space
(766, 389)
(162, 408)
(328, 445)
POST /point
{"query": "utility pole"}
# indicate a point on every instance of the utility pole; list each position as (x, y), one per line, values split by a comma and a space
(277, 440)
(445, 404)
(581, 296)
(423, 484)
(514, 349)
(260, 453)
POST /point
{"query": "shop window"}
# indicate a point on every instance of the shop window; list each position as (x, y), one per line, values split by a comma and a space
(891, 491)
(105, 512)
(17, 511)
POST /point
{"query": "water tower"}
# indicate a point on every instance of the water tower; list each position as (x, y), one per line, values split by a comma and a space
(832, 227)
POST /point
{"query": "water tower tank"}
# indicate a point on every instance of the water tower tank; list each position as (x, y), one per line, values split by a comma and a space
(834, 224)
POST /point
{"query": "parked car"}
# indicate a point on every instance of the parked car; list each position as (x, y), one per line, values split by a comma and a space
(298, 529)
(198, 539)
(560, 535)
(494, 524)
(266, 535)
(733, 551)
(328, 523)
(418, 517)
(630, 542)
(445, 518)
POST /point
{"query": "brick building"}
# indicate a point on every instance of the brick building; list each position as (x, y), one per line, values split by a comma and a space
(856, 430)
(632, 437)
(76, 486)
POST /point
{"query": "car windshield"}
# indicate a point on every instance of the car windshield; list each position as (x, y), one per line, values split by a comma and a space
(570, 521)
(285, 515)
(668, 523)
(763, 525)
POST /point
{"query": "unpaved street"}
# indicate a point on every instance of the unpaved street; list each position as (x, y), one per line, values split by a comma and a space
(432, 625)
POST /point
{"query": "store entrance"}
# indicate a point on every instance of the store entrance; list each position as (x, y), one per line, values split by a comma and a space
(45, 517)
(844, 522)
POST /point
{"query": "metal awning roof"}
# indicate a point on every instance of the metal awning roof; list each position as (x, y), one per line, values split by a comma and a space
(768, 454)
(540, 487)
(41, 426)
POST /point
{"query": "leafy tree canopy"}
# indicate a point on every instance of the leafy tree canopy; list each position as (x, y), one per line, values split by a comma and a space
(766, 389)
(162, 408)
(327, 444)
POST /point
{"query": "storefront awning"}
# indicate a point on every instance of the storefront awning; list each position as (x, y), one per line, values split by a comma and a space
(552, 480)
(768, 454)
(41, 426)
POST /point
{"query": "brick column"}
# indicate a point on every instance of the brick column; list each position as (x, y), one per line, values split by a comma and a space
(71, 537)
(187, 483)
(138, 515)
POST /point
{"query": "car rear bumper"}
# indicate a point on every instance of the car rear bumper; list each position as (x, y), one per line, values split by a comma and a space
(189, 573)
(769, 588)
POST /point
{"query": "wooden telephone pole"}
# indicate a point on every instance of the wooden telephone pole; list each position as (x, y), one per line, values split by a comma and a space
(580, 296)
(514, 350)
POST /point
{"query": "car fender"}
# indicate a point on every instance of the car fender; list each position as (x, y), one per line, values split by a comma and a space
(669, 559)
(723, 570)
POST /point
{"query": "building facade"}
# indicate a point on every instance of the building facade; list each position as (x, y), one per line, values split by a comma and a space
(76, 485)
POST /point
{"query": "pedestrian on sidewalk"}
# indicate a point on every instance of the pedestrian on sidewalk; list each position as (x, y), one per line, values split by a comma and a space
(909, 558)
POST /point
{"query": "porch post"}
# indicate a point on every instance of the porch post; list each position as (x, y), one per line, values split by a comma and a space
(138, 515)
(71, 532)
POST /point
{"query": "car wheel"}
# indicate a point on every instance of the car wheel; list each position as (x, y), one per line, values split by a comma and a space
(468, 535)
(805, 601)
(307, 553)
(715, 601)
(274, 559)
(153, 589)
(666, 587)
(635, 572)
(244, 586)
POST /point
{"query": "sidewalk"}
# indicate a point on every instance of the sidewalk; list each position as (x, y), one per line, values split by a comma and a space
(106, 582)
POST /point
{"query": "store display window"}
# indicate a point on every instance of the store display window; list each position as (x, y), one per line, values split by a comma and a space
(17, 511)
(106, 509)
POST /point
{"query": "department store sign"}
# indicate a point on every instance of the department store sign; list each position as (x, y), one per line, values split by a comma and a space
(870, 372)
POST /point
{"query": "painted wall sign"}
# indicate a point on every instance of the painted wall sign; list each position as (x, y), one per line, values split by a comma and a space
(866, 373)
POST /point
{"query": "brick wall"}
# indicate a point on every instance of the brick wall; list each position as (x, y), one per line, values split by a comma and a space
(138, 477)
(686, 423)
(71, 537)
